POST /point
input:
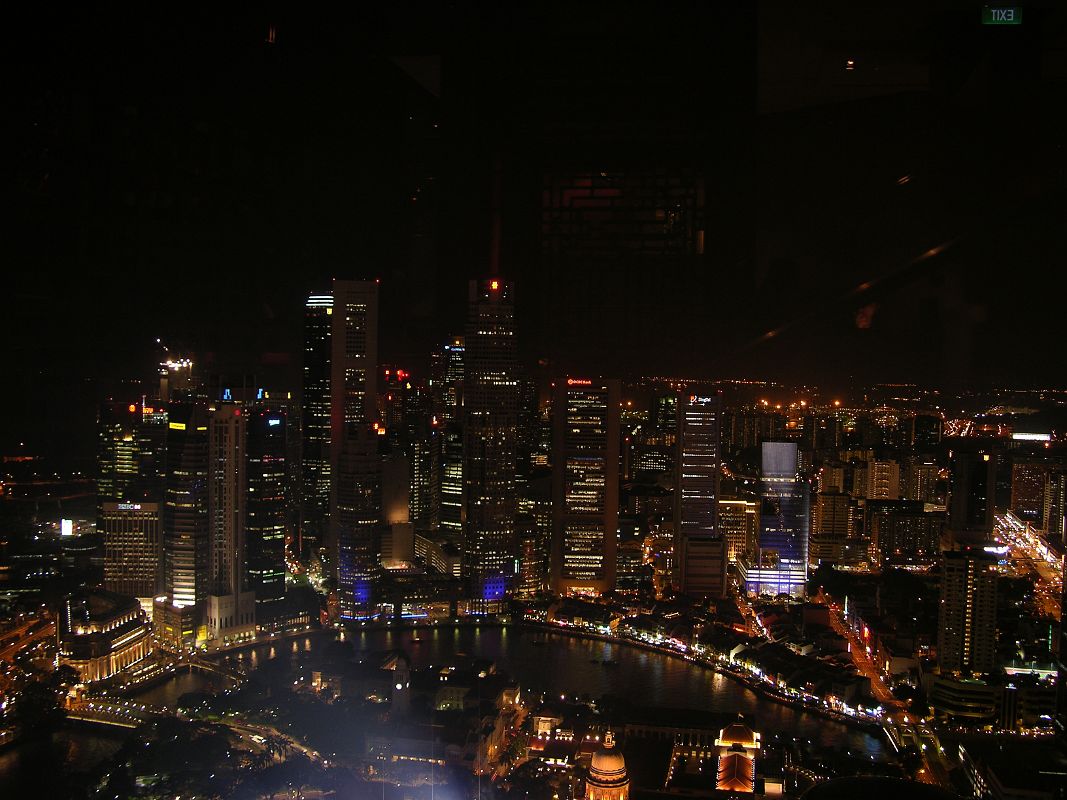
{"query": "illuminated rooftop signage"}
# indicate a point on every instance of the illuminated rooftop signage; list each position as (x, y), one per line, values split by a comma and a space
(579, 382)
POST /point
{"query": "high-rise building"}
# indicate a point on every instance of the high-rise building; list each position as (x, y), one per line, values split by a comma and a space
(185, 508)
(1028, 491)
(355, 485)
(920, 479)
(353, 357)
(739, 525)
(315, 420)
(904, 533)
(133, 548)
(356, 516)
(700, 555)
(117, 453)
(833, 514)
(490, 430)
(452, 480)
(231, 606)
(265, 507)
(966, 635)
(424, 457)
(780, 565)
(883, 480)
(972, 474)
(925, 432)
(585, 485)
(1053, 508)
(447, 378)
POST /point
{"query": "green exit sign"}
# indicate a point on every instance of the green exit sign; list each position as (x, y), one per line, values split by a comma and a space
(1002, 15)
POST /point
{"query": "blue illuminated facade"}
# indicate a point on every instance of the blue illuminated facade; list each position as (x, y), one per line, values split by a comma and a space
(781, 563)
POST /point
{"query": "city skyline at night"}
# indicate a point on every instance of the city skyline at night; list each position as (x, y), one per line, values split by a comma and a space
(515, 401)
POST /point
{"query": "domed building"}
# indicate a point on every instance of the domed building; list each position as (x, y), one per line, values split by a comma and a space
(607, 773)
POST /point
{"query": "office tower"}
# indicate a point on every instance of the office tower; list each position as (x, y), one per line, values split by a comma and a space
(490, 419)
(315, 420)
(1053, 507)
(185, 507)
(925, 433)
(424, 455)
(356, 516)
(966, 633)
(832, 478)
(883, 480)
(780, 565)
(1028, 491)
(585, 485)
(696, 498)
(117, 453)
(353, 357)
(452, 479)
(833, 514)
(266, 507)
(739, 525)
(920, 479)
(532, 557)
(133, 548)
(151, 453)
(904, 533)
(665, 419)
(972, 476)
(231, 605)
(355, 486)
(447, 370)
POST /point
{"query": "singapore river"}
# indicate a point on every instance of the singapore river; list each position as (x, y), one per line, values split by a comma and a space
(565, 665)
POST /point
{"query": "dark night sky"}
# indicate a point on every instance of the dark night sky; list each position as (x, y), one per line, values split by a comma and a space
(178, 176)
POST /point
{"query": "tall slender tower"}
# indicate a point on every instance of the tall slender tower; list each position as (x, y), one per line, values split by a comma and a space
(966, 631)
(265, 508)
(490, 431)
(230, 604)
(701, 553)
(585, 485)
(355, 487)
(315, 421)
(185, 507)
(780, 565)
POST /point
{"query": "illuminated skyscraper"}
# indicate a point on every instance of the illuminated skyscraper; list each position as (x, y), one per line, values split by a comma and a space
(315, 419)
(585, 485)
(133, 548)
(356, 516)
(265, 508)
(117, 453)
(972, 474)
(739, 524)
(966, 631)
(355, 494)
(700, 554)
(230, 611)
(353, 357)
(452, 480)
(490, 430)
(780, 565)
(185, 508)
(448, 378)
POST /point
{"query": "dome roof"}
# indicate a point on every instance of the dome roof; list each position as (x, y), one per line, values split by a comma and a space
(607, 762)
(608, 767)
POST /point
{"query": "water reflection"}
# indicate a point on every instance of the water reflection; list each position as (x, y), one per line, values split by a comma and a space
(558, 664)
